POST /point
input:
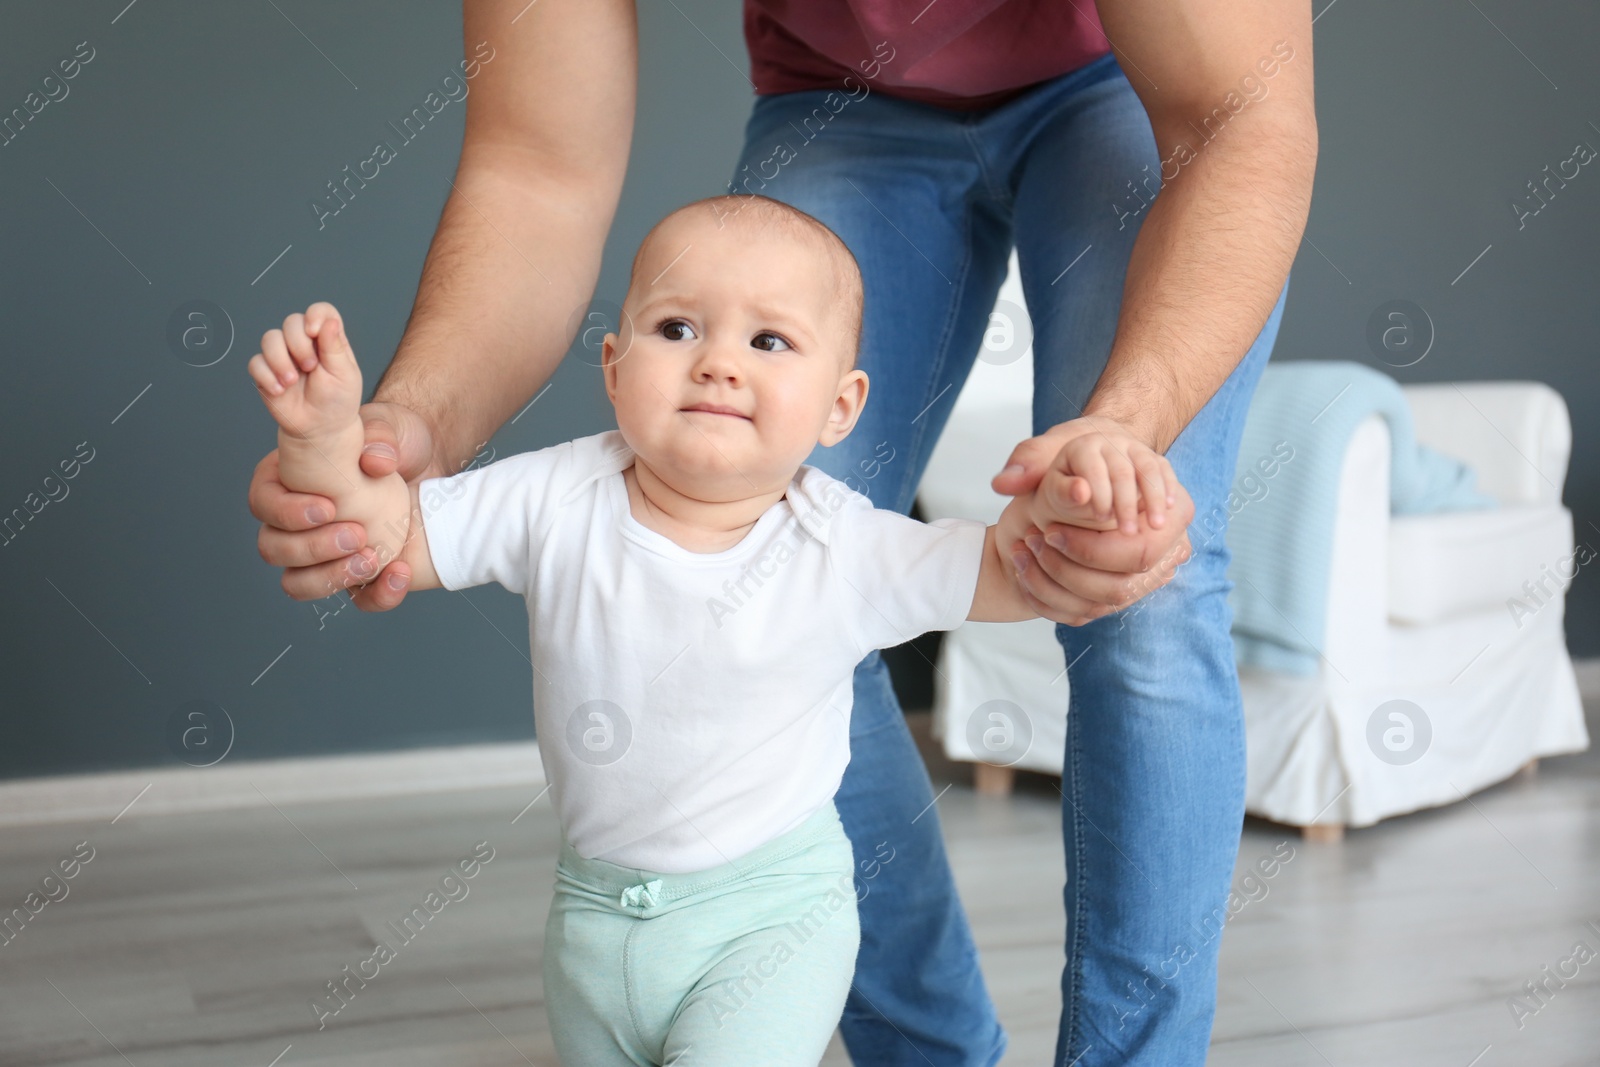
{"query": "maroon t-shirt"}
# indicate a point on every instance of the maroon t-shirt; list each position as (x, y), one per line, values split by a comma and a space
(960, 54)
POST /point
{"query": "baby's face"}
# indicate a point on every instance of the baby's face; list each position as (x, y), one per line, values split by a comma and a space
(732, 362)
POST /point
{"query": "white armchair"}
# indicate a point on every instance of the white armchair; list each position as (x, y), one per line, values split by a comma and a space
(1444, 665)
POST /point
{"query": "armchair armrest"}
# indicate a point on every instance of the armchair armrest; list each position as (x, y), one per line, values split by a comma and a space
(1358, 569)
(1517, 436)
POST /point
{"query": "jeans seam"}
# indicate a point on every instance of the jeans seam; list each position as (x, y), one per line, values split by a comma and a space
(936, 370)
(1075, 885)
(1001, 193)
(1235, 400)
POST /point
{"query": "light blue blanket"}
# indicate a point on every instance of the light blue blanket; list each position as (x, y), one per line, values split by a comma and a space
(1283, 500)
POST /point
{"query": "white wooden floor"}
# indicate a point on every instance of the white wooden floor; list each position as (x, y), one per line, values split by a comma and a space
(201, 939)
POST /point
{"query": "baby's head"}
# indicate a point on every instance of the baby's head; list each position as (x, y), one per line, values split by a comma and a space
(737, 347)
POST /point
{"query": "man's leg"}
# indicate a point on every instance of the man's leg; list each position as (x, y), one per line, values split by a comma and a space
(895, 182)
(1153, 783)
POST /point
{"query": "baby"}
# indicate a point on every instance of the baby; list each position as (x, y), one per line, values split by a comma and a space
(698, 600)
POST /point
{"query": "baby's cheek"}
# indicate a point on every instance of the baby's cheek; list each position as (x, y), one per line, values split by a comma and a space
(633, 418)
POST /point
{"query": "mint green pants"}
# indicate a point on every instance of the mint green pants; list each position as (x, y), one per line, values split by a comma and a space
(746, 963)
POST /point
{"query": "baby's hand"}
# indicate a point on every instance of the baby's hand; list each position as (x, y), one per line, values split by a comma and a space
(308, 377)
(1107, 483)
(307, 374)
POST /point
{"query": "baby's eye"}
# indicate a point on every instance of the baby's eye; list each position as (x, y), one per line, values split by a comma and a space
(675, 330)
(768, 341)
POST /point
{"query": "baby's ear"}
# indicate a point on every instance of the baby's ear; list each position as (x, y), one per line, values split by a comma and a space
(608, 363)
(847, 406)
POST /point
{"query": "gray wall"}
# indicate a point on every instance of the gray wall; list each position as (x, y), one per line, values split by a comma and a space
(182, 163)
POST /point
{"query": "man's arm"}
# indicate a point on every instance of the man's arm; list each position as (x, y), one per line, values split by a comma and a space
(1217, 243)
(1206, 269)
(548, 127)
(549, 123)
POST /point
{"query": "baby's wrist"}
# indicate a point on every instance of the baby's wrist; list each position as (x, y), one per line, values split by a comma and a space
(324, 436)
(326, 463)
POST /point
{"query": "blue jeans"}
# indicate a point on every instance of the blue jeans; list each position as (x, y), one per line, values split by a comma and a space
(931, 202)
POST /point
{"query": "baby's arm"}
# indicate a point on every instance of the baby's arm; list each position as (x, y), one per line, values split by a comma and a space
(415, 552)
(308, 377)
(998, 598)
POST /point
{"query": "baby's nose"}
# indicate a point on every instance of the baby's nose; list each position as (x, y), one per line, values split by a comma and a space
(720, 360)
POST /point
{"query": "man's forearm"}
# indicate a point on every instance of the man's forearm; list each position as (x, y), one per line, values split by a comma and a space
(1205, 272)
(516, 253)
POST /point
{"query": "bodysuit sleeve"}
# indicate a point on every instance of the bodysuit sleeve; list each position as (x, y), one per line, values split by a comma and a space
(485, 524)
(901, 578)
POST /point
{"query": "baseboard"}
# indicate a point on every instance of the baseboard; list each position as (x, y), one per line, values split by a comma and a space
(174, 790)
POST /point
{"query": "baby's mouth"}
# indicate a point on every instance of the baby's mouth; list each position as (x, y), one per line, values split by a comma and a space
(716, 409)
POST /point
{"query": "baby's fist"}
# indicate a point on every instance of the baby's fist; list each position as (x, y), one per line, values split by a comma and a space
(1103, 480)
(307, 373)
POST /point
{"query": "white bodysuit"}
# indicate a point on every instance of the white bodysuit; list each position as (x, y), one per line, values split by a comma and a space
(692, 706)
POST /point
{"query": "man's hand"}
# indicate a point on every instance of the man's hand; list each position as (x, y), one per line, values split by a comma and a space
(320, 558)
(1068, 573)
